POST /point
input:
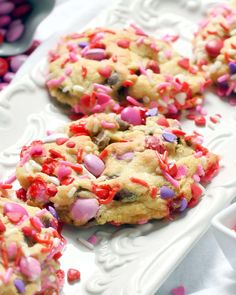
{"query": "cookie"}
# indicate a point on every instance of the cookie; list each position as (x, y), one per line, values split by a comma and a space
(105, 70)
(29, 250)
(108, 170)
(215, 47)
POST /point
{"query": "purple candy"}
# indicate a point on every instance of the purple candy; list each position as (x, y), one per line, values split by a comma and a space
(131, 115)
(8, 77)
(152, 112)
(83, 44)
(169, 137)
(17, 61)
(20, 286)
(232, 67)
(4, 20)
(96, 54)
(53, 212)
(6, 8)
(94, 164)
(126, 156)
(166, 192)
(84, 209)
(183, 205)
(14, 32)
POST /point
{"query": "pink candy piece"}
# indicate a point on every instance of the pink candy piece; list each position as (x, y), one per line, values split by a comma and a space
(30, 267)
(12, 250)
(84, 209)
(63, 172)
(6, 8)
(17, 61)
(8, 77)
(94, 164)
(4, 20)
(178, 291)
(14, 208)
(95, 54)
(126, 157)
(131, 115)
(108, 125)
(3, 85)
(14, 33)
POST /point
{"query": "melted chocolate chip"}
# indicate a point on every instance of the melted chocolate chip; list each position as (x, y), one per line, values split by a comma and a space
(113, 79)
(125, 196)
(101, 140)
(122, 124)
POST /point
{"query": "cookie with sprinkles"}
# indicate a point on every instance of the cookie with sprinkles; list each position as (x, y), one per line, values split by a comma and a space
(106, 70)
(29, 250)
(215, 47)
(119, 169)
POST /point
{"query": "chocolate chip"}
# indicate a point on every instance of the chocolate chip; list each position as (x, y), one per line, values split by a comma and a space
(101, 140)
(113, 79)
(122, 124)
(125, 196)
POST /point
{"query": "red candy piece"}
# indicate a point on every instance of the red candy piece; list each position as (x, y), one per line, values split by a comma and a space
(153, 65)
(162, 122)
(214, 46)
(196, 193)
(14, 217)
(3, 66)
(105, 71)
(2, 227)
(73, 275)
(184, 63)
(123, 43)
(200, 121)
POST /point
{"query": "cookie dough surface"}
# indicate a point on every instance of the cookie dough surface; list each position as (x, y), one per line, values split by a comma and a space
(105, 70)
(29, 245)
(107, 170)
(215, 47)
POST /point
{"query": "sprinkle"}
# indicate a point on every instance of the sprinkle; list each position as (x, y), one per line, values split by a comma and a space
(154, 192)
(133, 101)
(182, 171)
(171, 180)
(73, 275)
(93, 240)
(85, 243)
(10, 179)
(108, 125)
(63, 172)
(183, 205)
(184, 63)
(78, 88)
(200, 121)
(166, 192)
(102, 87)
(55, 82)
(73, 57)
(138, 31)
(105, 71)
(181, 97)
(95, 54)
(124, 43)
(152, 112)
(139, 181)
(169, 137)
(53, 211)
(71, 192)
(178, 291)
(223, 78)
(7, 275)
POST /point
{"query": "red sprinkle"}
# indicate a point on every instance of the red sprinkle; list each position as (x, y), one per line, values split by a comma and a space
(128, 83)
(60, 141)
(55, 154)
(154, 192)
(70, 144)
(84, 72)
(103, 154)
(105, 71)
(123, 43)
(79, 155)
(162, 122)
(200, 121)
(73, 275)
(2, 226)
(139, 181)
(178, 132)
(184, 63)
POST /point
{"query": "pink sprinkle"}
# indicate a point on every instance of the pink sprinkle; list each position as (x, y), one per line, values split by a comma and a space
(198, 154)
(55, 82)
(71, 47)
(97, 37)
(170, 179)
(102, 97)
(200, 170)
(7, 276)
(154, 47)
(138, 31)
(108, 125)
(163, 85)
(63, 172)
(196, 178)
(36, 151)
(133, 101)
(144, 221)
(11, 179)
(178, 291)
(25, 159)
(37, 221)
(49, 132)
(92, 240)
(182, 171)
(143, 71)
(231, 88)
(73, 57)
(106, 89)
(68, 71)
(223, 78)
(97, 109)
(168, 54)
(140, 40)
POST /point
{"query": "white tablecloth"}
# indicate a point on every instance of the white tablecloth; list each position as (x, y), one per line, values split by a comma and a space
(204, 271)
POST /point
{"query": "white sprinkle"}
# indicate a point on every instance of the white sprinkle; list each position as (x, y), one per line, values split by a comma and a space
(162, 103)
(52, 278)
(233, 32)
(54, 136)
(85, 243)
(66, 89)
(71, 192)
(35, 165)
(54, 180)
(11, 232)
(78, 88)
(146, 99)
(199, 101)
(88, 148)
(28, 168)
(181, 97)
(202, 188)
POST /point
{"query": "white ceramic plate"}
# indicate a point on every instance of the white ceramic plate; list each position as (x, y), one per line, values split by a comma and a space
(130, 260)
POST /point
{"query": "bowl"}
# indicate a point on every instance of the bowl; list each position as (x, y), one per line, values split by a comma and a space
(223, 225)
(41, 9)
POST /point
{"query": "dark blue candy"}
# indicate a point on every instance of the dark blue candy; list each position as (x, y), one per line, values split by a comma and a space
(232, 67)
